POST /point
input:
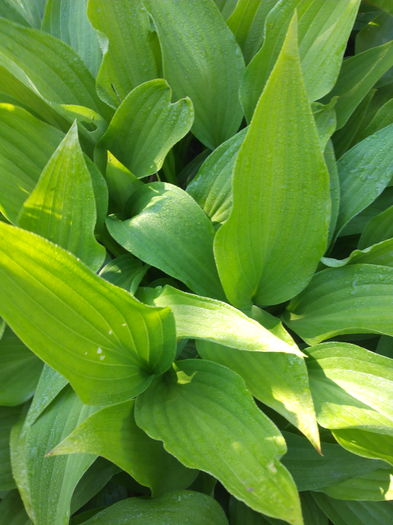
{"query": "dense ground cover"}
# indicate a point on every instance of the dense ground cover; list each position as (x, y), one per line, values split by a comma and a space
(196, 262)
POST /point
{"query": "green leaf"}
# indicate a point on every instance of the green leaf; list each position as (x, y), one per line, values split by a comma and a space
(352, 388)
(381, 254)
(312, 514)
(8, 417)
(146, 125)
(354, 299)
(378, 229)
(112, 433)
(382, 118)
(50, 67)
(204, 318)
(324, 28)
(365, 171)
(122, 185)
(9, 9)
(47, 484)
(212, 185)
(130, 52)
(26, 145)
(19, 370)
(355, 513)
(276, 197)
(169, 230)
(373, 486)
(99, 337)
(125, 271)
(202, 60)
(68, 21)
(12, 511)
(30, 10)
(206, 418)
(247, 23)
(325, 120)
(185, 507)
(312, 471)
(331, 164)
(240, 514)
(62, 207)
(358, 75)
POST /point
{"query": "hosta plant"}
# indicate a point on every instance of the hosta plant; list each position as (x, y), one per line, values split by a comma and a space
(196, 262)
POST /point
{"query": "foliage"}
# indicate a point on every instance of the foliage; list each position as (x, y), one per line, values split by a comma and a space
(196, 262)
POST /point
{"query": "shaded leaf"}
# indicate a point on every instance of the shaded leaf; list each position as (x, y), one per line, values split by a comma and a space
(99, 337)
(381, 254)
(8, 417)
(208, 420)
(12, 511)
(125, 271)
(378, 229)
(373, 486)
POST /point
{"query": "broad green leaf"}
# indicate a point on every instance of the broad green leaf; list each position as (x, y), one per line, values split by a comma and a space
(125, 271)
(352, 388)
(113, 434)
(68, 21)
(312, 514)
(30, 10)
(382, 118)
(331, 164)
(19, 370)
(26, 145)
(354, 299)
(226, 7)
(169, 230)
(201, 60)
(212, 185)
(146, 125)
(99, 337)
(365, 171)
(373, 486)
(47, 484)
(12, 511)
(325, 120)
(385, 5)
(122, 184)
(378, 229)
(358, 75)
(130, 52)
(276, 198)
(312, 471)
(62, 207)
(8, 417)
(9, 9)
(51, 68)
(324, 28)
(381, 254)
(204, 318)
(206, 418)
(185, 507)
(355, 513)
(247, 23)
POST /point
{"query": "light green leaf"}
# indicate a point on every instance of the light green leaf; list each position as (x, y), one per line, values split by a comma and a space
(276, 198)
(354, 299)
(19, 370)
(130, 47)
(146, 125)
(201, 60)
(365, 171)
(352, 388)
(62, 207)
(169, 230)
(68, 21)
(378, 229)
(380, 254)
(312, 471)
(99, 337)
(12, 511)
(47, 484)
(206, 418)
(355, 513)
(185, 507)
(125, 271)
(50, 67)
(212, 185)
(26, 145)
(247, 24)
(226, 7)
(358, 75)
(113, 434)
(204, 318)
(122, 184)
(373, 486)
(324, 28)
(8, 417)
